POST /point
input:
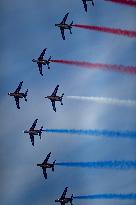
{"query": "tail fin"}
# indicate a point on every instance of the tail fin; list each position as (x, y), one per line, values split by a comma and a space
(71, 27)
(62, 98)
(25, 95)
(40, 133)
(92, 2)
(48, 62)
(53, 166)
(71, 199)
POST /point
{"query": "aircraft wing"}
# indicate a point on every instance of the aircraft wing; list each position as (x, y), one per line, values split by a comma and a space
(44, 173)
(42, 54)
(62, 33)
(65, 18)
(85, 5)
(19, 87)
(47, 158)
(40, 68)
(34, 124)
(17, 102)
(32, 139)
(55, 91)
(92, 2)
(64, 193)
(53, 105)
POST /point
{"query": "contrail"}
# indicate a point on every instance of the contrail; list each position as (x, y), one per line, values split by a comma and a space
(116, 31)
(113, 101)
(126, 2)
(122, 164)
(100, 133)
(130, 196)
(108, 67)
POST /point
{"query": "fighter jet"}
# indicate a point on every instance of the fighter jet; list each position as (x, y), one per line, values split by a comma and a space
(53, 98)
(40, 61)
(18, 95)
(33, 132)
(64, 26)
(64, 200)
(85, 3)
(45, 165)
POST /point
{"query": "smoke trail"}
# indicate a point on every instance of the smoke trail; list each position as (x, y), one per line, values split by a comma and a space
(119, 68)
(102, 133)
(128, 33)
(131, 196)
(104, 100)
(127, 2)
(123, 164)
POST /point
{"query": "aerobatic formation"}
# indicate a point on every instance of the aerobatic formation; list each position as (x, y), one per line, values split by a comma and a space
(41, 61)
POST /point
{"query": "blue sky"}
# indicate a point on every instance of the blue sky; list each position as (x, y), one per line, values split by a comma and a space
(28, 28)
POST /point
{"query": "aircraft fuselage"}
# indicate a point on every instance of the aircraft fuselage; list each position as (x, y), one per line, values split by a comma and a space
(19, 95)
(48, 165)
(66, 200)
(43, 62)
(64, 26)
(54, 98)
(33, 132)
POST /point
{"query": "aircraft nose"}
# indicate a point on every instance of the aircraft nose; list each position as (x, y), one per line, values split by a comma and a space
(8, 93)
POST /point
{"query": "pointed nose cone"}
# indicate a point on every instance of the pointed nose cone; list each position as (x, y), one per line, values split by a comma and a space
(38, 165)
(8, 93)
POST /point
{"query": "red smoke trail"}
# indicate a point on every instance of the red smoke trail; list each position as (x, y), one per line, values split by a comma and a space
(127, 2)
(128, 33)
(120, 68)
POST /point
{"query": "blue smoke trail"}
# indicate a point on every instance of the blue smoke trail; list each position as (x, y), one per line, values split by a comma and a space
(102, 133)
(131, 196)
(123, 164)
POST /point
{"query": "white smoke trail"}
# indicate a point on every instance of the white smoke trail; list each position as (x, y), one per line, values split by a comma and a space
(113, 101)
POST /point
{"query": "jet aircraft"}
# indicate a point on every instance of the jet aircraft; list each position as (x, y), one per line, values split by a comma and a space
(53, 98)
(64, 26)
(40, 61)
(33, 132)
(16, 94)
(63, 200)
(45, 165)
(85, 3)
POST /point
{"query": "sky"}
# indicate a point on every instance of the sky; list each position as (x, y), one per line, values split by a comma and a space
(26, 29)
